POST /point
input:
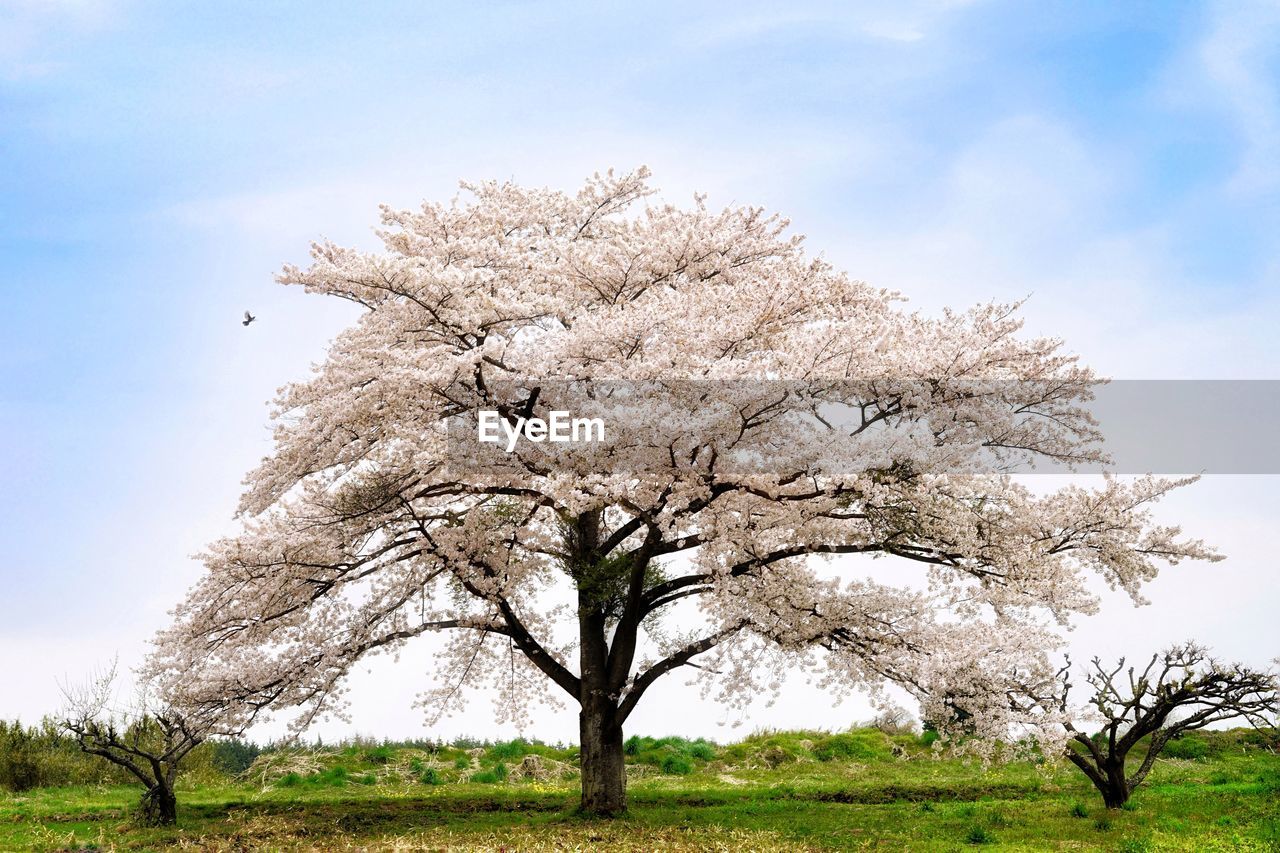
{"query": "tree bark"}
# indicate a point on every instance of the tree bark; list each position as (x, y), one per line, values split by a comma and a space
(1113, 796)
(1112, 784)
(600, 757)
(159, 806)
(604, 772)
(1105, 771)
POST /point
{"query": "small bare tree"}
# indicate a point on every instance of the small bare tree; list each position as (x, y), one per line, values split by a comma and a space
(149, 739)
(1179, 690)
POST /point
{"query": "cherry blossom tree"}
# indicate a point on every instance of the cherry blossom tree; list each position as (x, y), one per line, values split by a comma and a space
(695, 537)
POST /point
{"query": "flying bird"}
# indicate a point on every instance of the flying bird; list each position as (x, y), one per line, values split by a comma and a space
(248, 318)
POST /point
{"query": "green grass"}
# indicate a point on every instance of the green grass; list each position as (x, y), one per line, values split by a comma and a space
(675, 756)
(831, 792)
(864, 745)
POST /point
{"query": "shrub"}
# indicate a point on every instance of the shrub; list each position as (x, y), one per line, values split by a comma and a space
(233, 756)
(335, 776)
(863, 745)
(430, 777)
(702, 750)
(676, 765)
(978, 834)
(1102, 824)
(771, 747)
(43, 756)
(647, 748)
(1191, 747)
(462, 762)
(1135, 845)
(378, 755)
(775, 756)
(511, 750)
(19, 767)
(1079, 810)
(677, 750)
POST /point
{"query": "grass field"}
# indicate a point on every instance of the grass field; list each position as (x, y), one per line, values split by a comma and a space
(773, 791)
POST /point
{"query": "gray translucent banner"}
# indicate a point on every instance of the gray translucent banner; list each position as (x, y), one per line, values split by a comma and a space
(840, 428)
(1222, 426)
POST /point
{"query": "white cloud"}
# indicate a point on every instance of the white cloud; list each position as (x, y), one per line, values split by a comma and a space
(904, 22)
(1025, 209)
(1232, 71)
(32, 31)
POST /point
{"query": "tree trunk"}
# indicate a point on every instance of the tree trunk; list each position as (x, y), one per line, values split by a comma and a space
(159, 806)
(1116, 791)
(600, 756)
(1114, 798)
(604, 771)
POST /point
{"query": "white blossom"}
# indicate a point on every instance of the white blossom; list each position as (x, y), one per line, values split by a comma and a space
(364, 529)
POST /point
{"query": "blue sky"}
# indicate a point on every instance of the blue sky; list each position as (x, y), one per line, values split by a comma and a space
(158, 161)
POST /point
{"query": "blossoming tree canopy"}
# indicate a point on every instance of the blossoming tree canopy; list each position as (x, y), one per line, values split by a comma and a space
(371, 524)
